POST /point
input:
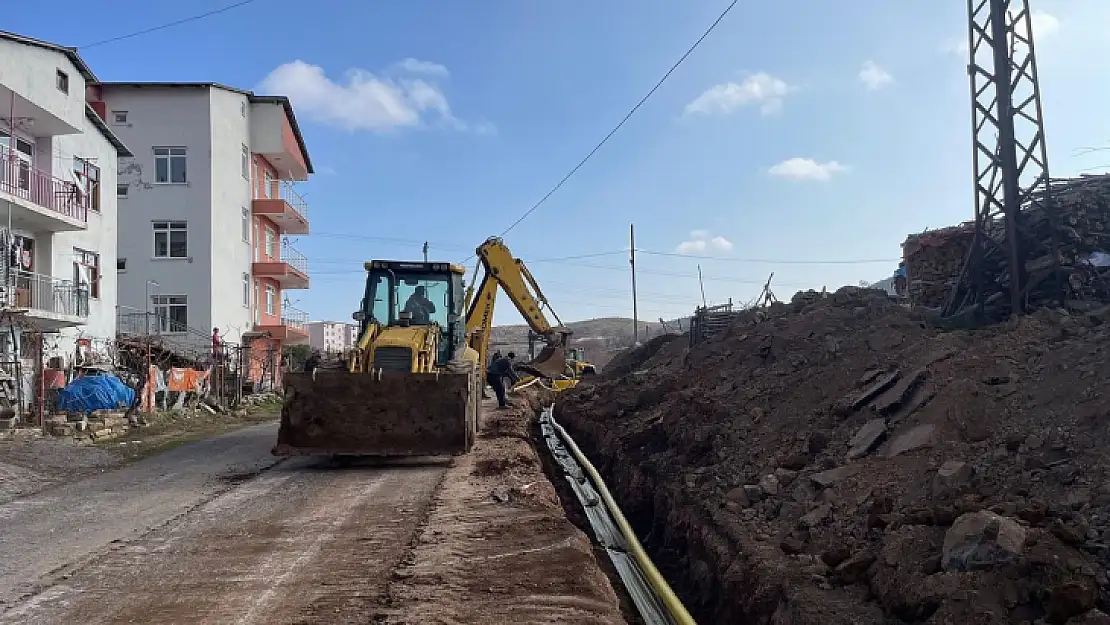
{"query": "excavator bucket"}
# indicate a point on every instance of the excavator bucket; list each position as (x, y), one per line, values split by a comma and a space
(551, 362)
(379, 413)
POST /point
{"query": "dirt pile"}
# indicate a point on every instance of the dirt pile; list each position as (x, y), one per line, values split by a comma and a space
(841, 462)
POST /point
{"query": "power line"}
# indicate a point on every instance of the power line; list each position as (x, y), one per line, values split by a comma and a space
(620, 124)
(775, 261)
(179, 22)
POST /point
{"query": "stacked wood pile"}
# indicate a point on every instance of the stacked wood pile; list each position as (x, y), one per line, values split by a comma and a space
(934, 259)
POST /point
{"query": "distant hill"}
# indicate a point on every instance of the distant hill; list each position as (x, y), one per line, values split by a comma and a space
(600, 338)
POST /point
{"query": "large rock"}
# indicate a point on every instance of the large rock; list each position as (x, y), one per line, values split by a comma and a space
(867, 438)
(981, 540)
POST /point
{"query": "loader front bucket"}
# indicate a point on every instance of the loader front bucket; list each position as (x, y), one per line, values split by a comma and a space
(551, 362)
(382, 413)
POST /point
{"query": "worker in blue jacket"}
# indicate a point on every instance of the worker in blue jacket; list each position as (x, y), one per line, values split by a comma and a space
(499, 369)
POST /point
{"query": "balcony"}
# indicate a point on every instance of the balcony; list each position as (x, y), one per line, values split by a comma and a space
(291, 271)
(51, 204)
(288, 210)
(293, 328)
(53, 303)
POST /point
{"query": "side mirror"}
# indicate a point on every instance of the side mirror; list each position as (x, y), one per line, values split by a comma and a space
(453, 318)
(358, 315)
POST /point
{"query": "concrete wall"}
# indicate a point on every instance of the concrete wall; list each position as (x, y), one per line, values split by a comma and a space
(163, 116)
(101, 235)
(231, 193)
(31, 72)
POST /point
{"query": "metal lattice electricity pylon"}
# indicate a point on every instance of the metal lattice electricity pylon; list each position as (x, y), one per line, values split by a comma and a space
(1010, 158)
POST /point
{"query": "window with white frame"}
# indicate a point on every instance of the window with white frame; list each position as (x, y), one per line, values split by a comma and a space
(271, 243)
(171, 239)
(122, 189)
(86, 271)
(119, 117)
(61, 81)
(87, 176)
(171, 311)
(246, 163)
(271, 300)
(267, 185)
(169, 165)
(246, 226)
(246, 290)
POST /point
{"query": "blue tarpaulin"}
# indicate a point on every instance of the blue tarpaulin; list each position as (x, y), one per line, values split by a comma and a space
(95, 392)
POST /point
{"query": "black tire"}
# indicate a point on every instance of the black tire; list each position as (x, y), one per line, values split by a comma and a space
(342, 461)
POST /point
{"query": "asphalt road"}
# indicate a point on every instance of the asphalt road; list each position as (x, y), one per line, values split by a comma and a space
(212, 532)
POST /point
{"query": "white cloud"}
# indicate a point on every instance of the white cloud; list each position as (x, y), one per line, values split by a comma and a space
(416, 66)
(409, 97)
(762, 89)
(701, 241)
(1045, 26)
(874, 77)
(807, 169)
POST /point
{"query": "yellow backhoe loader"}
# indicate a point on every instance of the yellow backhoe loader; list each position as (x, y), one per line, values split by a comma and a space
(413, 385)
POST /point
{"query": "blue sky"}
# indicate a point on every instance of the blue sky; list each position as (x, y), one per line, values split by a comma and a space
(801, 130)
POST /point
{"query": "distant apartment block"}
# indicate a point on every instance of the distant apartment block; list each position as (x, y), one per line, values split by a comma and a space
(207, 209)
(332, 336)
(58, 205)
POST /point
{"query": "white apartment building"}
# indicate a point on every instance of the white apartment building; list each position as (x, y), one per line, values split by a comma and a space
(206, 210)
(57, 199)
(332, 336)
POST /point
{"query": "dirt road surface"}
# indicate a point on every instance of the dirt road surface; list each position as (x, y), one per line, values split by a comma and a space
(219, 532)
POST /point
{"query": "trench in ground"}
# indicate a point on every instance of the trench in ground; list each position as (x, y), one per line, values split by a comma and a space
(700, 564)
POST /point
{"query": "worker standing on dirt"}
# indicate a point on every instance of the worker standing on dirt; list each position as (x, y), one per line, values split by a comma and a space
(496, 373)
(312, 361)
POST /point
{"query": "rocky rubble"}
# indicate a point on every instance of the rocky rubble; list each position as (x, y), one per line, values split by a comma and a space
(843, 462)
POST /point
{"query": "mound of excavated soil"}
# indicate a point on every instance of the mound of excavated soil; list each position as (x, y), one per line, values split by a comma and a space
(631, 359)
(840, 462)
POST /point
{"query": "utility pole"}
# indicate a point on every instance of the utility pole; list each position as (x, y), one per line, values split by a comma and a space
(632, 263)
(425, 251)
(701, 284)
(1010, 160)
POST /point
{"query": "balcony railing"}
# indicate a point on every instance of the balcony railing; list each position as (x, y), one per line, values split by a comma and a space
(38, 292)
(294, 199)
(294, 318)
(290, 256)
(18, 178)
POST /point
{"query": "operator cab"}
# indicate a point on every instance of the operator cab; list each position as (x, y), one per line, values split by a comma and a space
(415, 294)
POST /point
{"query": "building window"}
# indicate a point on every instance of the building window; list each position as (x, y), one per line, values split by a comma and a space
(122, 189)
(243, 109)
(171, 311)
(246, 164)
(86, 271)
(267, 185)
(169, 165)
(121, 265)
(257, 308)
(171, 239)
(246, 226)
(87, 176)
(119, 117)
(62, 81)
(271, 299)
(246, 290)
(271, 243)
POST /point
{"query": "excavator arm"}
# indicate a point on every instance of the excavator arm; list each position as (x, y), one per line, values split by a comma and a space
(502, 270)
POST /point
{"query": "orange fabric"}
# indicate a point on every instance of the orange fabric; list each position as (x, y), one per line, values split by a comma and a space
(182, 380)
